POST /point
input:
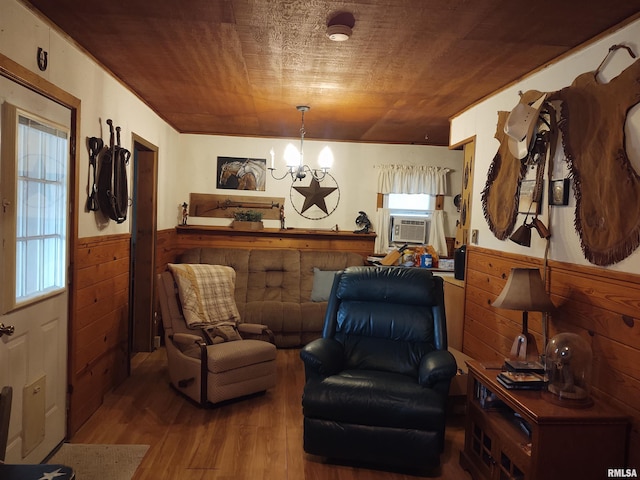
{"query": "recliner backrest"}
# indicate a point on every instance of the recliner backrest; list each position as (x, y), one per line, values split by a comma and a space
(387, 318)
(172, 318)
(236, 258)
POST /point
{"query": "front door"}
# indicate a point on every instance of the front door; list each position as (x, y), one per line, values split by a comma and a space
(34, 226)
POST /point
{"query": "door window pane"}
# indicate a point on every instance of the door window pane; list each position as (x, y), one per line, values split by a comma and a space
(41, 221)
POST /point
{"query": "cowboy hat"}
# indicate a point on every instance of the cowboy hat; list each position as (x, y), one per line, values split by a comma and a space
(520, 126)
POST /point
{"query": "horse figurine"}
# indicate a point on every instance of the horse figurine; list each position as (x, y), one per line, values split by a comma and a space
(250, 174)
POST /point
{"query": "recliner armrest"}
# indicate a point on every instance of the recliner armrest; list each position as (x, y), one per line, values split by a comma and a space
(185, 339)
(256, 330)
(322, 357)
(190, 345)
(437, 366)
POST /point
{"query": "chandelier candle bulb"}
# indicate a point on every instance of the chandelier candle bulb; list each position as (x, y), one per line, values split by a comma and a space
(291, 156)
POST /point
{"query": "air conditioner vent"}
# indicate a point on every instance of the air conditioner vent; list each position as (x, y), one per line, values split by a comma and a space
(409, 229)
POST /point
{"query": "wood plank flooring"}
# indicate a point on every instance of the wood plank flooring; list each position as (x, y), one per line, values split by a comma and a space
(259, 438)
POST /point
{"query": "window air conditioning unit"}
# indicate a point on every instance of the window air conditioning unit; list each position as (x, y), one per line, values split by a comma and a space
(409, 229)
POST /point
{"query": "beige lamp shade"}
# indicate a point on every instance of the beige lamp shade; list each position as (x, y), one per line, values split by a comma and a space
(524, 291)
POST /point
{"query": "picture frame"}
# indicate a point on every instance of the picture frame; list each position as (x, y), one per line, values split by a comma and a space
(526, 202)
(241, 173)
(559, 191)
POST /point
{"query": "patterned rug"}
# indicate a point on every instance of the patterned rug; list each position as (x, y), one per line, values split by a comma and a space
(100, 462)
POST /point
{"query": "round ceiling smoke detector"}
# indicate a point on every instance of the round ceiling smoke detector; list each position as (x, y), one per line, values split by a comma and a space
(338, 33)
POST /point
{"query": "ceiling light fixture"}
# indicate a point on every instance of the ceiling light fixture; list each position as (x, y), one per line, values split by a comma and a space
(295, 158)
(339, 33)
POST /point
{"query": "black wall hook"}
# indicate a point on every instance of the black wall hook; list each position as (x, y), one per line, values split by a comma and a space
(43, 60)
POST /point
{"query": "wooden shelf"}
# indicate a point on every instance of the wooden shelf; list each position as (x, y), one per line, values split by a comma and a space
(297, 238)
(277, 232)
(563, 442)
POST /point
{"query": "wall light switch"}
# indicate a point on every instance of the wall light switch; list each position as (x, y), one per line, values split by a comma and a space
(474, 237)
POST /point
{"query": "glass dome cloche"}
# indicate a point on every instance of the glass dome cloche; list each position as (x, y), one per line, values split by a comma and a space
(568, 362)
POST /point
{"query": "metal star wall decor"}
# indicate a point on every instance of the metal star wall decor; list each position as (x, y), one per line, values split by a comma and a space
(316, 200)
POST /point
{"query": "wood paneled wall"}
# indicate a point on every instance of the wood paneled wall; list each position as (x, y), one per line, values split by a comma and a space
(98, 334)
(99, 329)
(165, 248)
(600, 305)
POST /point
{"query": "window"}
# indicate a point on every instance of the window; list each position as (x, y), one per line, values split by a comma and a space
(410, 217)
(407, 202)
(34, 195)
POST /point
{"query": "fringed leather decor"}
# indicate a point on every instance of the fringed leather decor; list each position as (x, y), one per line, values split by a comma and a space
(606, 186)
(502, 190)
(500, 194)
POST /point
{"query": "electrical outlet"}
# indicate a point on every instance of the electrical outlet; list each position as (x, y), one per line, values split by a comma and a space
(474, 237)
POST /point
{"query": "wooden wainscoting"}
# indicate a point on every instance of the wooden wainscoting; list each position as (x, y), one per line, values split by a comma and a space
(600, 305)
(98, 334)
(165, 248)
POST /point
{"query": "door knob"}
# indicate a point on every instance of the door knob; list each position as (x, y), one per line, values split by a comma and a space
(8, 330)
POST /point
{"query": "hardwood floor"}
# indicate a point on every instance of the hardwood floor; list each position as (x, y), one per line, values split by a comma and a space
(252, 439)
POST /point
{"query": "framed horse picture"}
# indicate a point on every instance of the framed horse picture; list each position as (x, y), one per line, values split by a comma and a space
(241, 173)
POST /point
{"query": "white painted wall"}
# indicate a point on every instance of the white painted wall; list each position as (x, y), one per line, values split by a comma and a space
(481, 121)
(353, 168)
(187, 162)
(102, 97)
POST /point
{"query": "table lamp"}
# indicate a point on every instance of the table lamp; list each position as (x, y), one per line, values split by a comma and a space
(524, 291)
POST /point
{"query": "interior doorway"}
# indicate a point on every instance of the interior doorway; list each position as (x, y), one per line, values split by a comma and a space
(143, 328)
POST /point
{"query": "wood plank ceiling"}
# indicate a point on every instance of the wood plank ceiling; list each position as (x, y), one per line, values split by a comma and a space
(239, 67)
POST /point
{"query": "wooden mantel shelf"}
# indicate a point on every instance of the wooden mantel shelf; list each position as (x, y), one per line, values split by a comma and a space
(287, 232)
(298, 238)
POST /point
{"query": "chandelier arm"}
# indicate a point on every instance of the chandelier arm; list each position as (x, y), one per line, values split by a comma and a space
(271, 169)
(318, 176)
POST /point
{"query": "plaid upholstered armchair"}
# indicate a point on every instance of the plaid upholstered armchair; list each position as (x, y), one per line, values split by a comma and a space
(217, 362)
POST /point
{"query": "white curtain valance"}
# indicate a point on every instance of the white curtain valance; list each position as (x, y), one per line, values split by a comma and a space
(412, 179)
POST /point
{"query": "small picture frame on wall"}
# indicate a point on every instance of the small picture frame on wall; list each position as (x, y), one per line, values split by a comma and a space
(527, 203)
(559, 191)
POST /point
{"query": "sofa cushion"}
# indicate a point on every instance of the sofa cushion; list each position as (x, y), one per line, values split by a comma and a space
(206, 293)
(322, 283)
(313, 315)
(322, 260)
(274, 275)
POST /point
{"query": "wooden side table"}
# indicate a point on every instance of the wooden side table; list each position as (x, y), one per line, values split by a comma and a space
(517, 434)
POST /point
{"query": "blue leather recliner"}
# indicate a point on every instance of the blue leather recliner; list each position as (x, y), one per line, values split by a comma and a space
(377, 381)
